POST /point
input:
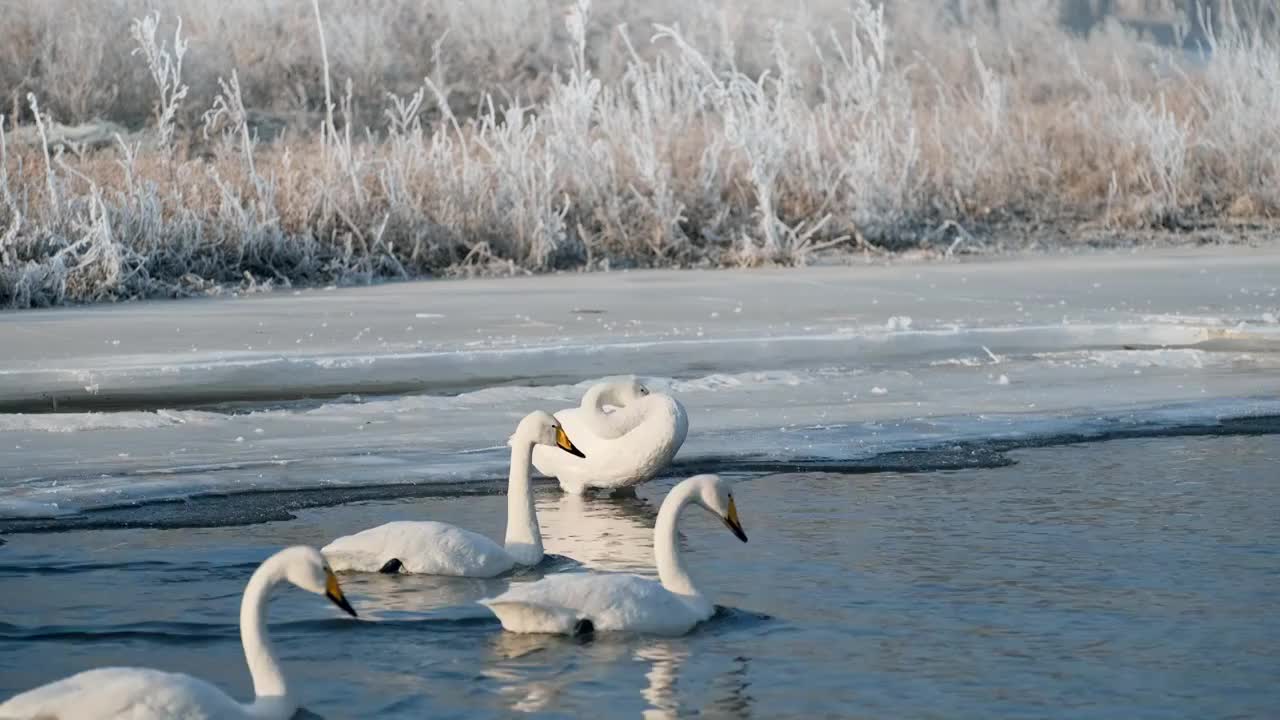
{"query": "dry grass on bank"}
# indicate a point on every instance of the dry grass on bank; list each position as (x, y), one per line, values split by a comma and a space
(458, 136)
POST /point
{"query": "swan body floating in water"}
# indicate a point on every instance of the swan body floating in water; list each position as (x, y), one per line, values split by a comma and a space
(578, 603)
(436, 548)
(145, 694)
(623, 448)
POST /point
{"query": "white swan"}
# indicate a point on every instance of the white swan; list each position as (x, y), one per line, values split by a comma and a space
(145, 694)
(576, 603)
(623, 448)
(436, 548)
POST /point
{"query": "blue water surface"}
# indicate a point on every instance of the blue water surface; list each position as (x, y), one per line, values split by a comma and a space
(1125, 579)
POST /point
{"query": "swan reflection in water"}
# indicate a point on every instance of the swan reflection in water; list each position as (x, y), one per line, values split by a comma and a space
(666, 657)
(536, 672)
(609, 534)
(730, 697)
(415, 597)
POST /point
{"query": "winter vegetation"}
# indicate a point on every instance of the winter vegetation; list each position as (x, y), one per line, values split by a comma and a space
(242, 144)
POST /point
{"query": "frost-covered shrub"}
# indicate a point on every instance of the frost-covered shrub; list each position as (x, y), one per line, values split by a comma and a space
(270, 144)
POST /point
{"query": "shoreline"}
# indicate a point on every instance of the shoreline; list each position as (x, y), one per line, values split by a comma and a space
(256, 506)
(948, 242)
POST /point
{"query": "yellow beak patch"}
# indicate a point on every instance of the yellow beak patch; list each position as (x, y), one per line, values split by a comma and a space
(333, 591)
(563, 442)
(731, 521)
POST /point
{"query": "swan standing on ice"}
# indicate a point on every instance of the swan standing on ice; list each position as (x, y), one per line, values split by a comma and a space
(625, 447)
(145, 694)
(436, 548)
(578, 603)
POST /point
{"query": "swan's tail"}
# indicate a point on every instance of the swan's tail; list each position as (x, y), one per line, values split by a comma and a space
(525, 617)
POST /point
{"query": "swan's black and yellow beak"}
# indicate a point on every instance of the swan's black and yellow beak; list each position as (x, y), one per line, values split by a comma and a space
(565, 444)
(731, 521)
(334, 592)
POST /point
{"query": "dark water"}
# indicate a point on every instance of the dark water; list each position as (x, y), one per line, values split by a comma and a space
(1123, 579)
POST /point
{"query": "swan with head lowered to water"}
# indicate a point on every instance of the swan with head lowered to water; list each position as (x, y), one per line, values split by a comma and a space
(145, 694)
(624, 447)
(579, 603)
(436, 548)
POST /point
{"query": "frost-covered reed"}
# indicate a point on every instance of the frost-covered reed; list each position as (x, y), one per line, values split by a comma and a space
(462, 136)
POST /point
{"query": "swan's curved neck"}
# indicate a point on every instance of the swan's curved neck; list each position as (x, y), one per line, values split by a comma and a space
(597, 395)
(593, 402)
(268, 680)
(524, 539)
(666, 544)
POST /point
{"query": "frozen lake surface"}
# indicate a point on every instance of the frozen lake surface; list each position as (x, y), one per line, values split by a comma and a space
(1036, 486)
(421, 383)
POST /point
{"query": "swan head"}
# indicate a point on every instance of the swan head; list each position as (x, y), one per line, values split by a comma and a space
(629, 390)
(619, 391)
(715, 495)
(541, 428)
(306, 567)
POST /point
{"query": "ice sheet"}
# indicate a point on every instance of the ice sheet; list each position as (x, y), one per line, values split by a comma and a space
(423, 382)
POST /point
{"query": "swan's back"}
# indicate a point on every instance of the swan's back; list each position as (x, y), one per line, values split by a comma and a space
(432, 548)
(124, 693)
(612, 602)
(581, 422)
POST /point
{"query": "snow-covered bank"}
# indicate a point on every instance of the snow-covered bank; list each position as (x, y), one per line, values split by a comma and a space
(461, 335)
(823, 363)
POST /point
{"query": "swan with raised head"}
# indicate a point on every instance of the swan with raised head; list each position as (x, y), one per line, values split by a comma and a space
(578, 603)
(624, 447)
(436, 548)
(145, 694)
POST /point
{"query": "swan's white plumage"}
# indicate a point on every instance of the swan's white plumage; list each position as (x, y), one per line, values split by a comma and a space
(670, 605)
(125, 693)
(623, 448)
(426, 547)
(603, 412)
(612, 602)
(606, 423)
(144, 694)
(437, 548)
